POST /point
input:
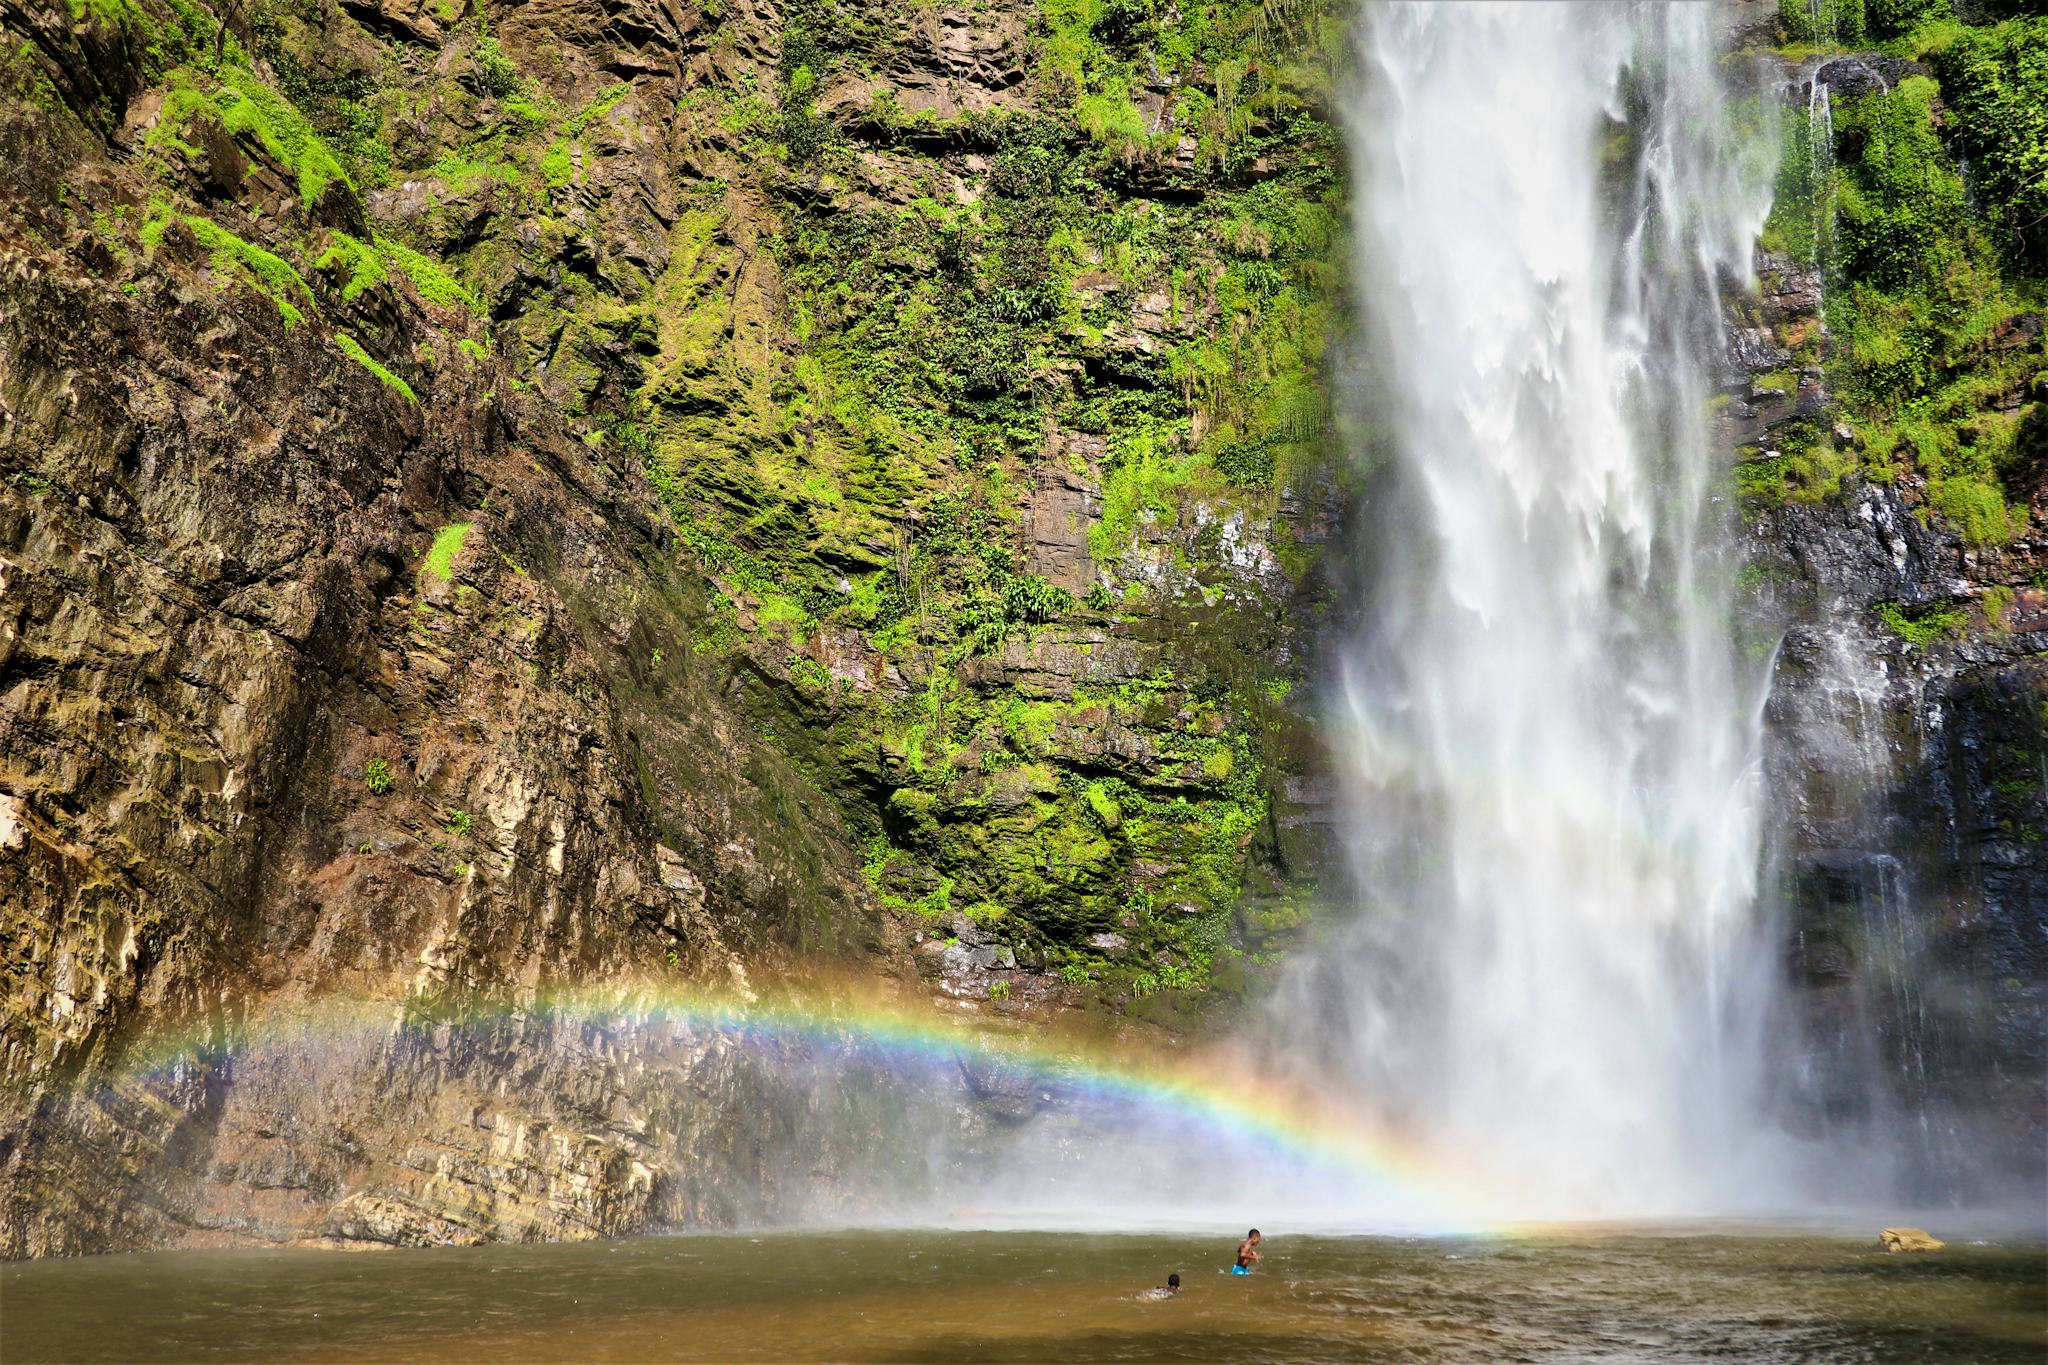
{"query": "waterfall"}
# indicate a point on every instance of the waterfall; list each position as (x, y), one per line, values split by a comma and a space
(1555, 974)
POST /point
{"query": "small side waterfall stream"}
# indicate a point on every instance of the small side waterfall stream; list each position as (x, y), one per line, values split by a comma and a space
(1820, 162)
(1557, 973)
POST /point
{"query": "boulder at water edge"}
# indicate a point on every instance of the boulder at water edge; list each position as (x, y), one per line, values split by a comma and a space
(1909, 1239)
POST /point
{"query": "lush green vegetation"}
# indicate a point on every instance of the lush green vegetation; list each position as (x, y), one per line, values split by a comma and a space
(1852, 23)
(1927, 274)
(1996, 82)
(363, 265)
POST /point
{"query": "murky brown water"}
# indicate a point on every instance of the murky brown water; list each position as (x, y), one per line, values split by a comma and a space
(1743, 1296)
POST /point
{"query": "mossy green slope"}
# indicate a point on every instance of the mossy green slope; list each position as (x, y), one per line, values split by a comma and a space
(1925, 220)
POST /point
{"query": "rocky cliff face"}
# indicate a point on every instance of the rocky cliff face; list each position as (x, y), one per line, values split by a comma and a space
(315, 686)
(1908, 785)
(1896, 522)
(497, 499)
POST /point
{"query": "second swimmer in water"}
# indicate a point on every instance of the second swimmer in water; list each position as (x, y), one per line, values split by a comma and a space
(1164, 1291)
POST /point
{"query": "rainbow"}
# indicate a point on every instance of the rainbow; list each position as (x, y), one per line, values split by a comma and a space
(1215, 1090)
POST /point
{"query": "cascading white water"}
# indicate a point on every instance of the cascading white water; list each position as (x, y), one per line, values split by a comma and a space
(1556, 976)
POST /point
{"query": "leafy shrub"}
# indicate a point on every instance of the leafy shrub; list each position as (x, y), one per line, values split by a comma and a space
(1852, 22)
(1904, 198)
(1248, 464)
(1169, 978)
(496, 76)
(1995, 83)
(1884, 19)
(805, 133)
(1029, 598)
(377, 776)
(1117, 22)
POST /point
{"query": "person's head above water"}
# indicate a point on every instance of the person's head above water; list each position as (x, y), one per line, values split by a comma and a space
(1253, 1236)
(1173, 1280)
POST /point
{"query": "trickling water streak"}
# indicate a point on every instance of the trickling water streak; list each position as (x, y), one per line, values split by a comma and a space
(1557, 972)
(1820, 168)
(1871, 1081)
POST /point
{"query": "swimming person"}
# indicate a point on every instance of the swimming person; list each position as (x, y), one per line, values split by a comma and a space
(1164, 1291)
(1247, 1252)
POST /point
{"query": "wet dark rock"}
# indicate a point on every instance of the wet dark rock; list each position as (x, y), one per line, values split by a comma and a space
(1910, 841)
(1864, 548)
(1755, 351)
(1863, 73)
(1788, 293)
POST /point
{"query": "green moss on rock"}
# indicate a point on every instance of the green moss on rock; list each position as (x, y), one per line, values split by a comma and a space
(232, 258)
(439, 562)
(353, 349)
